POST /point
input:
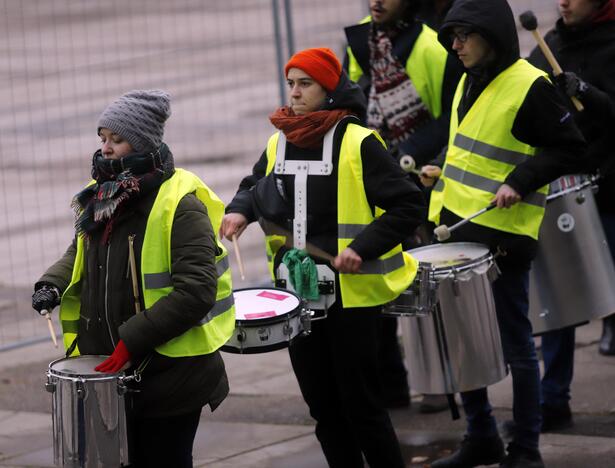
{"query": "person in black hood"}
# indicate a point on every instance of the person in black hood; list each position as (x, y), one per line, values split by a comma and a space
(583, 42)
(510, 136)
(336, 364)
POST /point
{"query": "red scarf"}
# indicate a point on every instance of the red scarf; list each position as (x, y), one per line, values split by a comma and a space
(606, 13)
(308, 130)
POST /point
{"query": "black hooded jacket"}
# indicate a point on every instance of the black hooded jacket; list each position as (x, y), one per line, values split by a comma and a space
(542, 120)
(386, 186)
(589, 51)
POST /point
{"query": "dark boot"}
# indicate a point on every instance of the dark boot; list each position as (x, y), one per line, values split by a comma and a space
(521, 457)
(474, 451)
(607, 340)
(556, 418)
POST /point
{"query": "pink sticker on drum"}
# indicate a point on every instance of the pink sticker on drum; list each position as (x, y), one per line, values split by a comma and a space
(257, 315)
(271, 295)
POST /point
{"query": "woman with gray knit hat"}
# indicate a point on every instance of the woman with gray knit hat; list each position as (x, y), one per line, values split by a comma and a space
(139, 206)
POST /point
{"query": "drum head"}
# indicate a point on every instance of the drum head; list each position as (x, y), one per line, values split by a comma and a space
(455, 254)
(79, 366)
(262, 304)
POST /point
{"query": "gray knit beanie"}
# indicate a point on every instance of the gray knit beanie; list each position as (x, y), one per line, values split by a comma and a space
(138, 116)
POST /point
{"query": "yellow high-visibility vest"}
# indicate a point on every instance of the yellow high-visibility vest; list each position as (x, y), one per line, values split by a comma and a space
(380, 280)
(482, 152)
(217, 326)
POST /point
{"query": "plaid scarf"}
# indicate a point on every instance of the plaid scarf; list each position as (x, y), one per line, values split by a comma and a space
(394, 106)
(116, 182)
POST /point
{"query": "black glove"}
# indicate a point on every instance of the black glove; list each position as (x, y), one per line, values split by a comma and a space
(570, 84)
(45, 298)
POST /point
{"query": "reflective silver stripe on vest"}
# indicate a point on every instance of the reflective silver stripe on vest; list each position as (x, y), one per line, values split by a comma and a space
(371, 267)
(157, 280)
(222, 265)
(219, 308)
(489, 151)
(439, 186)
(349, 231)
(382, 267)
(488, 185)
(163, 279)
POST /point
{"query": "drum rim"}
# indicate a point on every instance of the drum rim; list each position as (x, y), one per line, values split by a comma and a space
(488, 256)
(271, 320)
(95, 375)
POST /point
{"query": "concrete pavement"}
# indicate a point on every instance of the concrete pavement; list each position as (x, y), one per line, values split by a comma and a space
(265, 424)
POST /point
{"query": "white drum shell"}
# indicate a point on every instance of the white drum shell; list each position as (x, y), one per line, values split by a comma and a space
(89, 418)
(457, 348)
(572, 276)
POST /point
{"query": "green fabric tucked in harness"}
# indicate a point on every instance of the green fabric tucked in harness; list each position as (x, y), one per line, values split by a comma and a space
(302, 273)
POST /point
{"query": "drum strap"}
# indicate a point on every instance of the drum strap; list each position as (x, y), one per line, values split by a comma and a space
(72, 347)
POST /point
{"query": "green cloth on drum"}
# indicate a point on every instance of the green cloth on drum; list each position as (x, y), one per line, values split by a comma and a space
(302, 273)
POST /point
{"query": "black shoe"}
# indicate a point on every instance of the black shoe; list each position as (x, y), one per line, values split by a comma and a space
(607, 340)
(556, 418)
(521, 457)
(474, 451)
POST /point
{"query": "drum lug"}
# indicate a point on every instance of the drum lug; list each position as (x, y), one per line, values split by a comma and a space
(50, 386)
(456, 290)
(306, 321)
(580, 198)
(80, 387)
(288, 329)
(121, 387)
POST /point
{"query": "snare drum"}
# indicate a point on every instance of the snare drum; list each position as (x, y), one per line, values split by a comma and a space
(457, 347)
(572, 276)
(266, 319)
(88, 413)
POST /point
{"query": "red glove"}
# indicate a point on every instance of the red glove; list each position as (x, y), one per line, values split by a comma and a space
(116, 361)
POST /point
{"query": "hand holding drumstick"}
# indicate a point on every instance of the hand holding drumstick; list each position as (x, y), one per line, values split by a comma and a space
(233, 224)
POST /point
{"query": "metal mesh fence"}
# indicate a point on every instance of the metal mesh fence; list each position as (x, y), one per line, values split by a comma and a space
(63, 61)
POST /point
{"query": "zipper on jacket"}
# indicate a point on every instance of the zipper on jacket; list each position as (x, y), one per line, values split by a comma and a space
(107, 295)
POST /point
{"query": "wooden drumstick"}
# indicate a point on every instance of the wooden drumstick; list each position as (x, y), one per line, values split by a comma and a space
(273, 229)
(238, 257)
(133, 272)
(528, 21)
(47, 314)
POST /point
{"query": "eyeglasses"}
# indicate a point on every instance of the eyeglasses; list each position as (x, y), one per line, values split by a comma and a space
(461, 36)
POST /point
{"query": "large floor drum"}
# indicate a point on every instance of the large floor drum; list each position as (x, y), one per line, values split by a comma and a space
(457, 347)
(572, 280)
(89, 419)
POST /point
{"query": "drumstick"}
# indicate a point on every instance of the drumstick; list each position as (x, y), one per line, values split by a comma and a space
(238, 256)
(528, 21)
(133, 272)
(443, 232)
(271, 228)
(47, 314)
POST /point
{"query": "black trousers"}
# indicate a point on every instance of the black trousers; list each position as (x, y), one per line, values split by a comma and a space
(162, 442)
(338, 373)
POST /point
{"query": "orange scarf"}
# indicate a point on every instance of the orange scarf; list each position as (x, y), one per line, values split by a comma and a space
(308, 130)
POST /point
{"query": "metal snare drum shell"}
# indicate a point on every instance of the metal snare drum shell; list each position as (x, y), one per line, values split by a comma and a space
(88, 413)
(572, 276)
(457, 347)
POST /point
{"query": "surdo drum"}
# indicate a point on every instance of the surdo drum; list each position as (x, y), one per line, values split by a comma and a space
(266, 319)
(88, 413)
(457, 347)
(572, 276)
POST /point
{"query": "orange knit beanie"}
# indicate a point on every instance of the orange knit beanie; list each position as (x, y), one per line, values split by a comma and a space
(320, 63)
